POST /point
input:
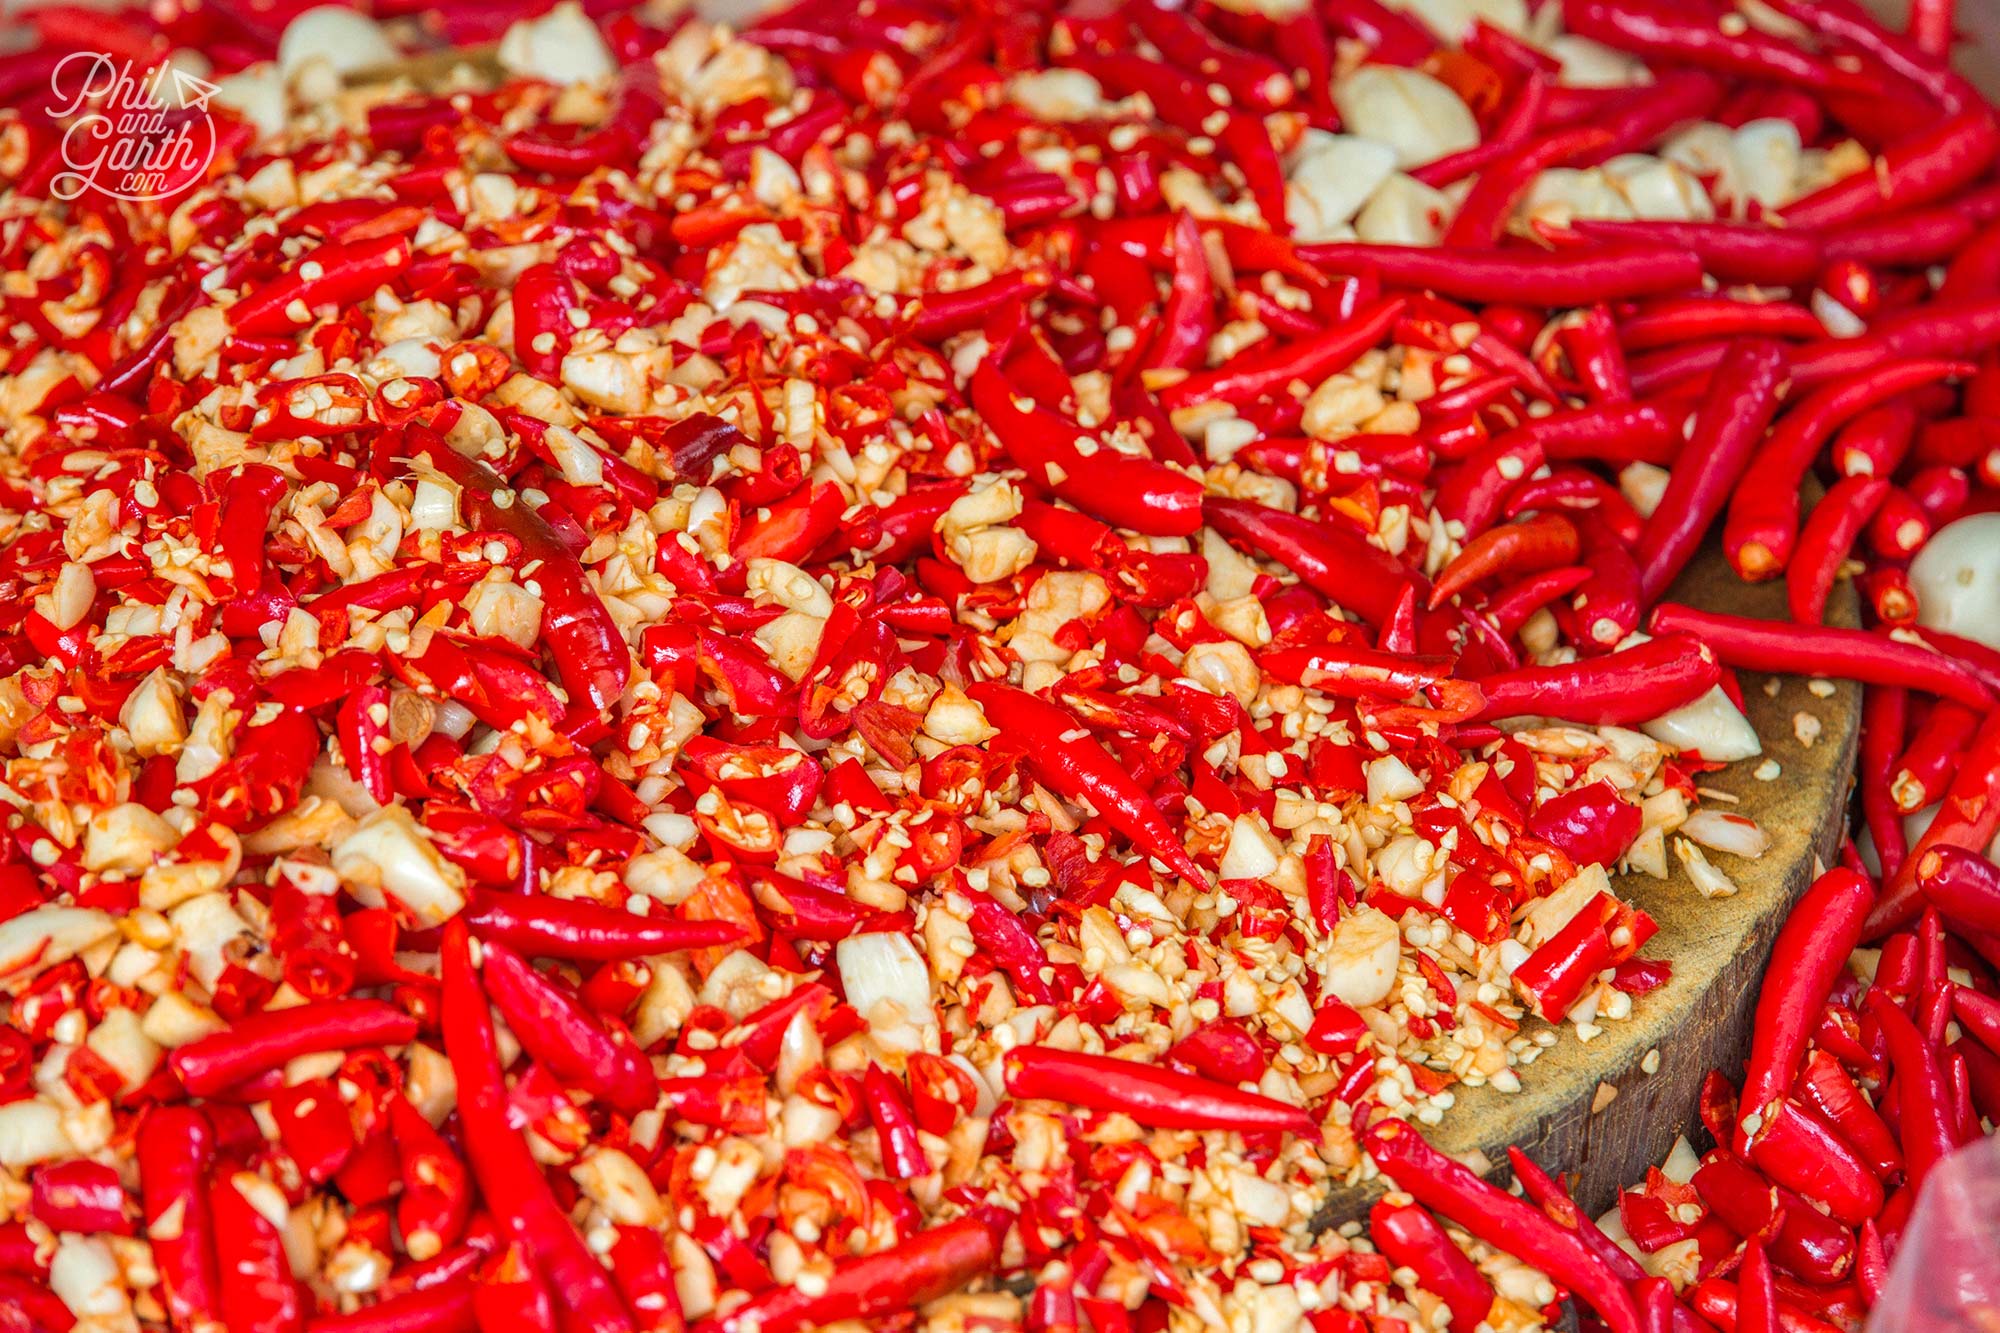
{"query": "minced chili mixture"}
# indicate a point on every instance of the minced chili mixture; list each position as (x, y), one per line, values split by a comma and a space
(931, 665)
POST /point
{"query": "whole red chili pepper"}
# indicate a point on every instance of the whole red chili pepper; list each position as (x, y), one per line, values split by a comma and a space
(1338, 564)
(176, 1147)
(929, 1265)
(1498, 1218)
(1810, 952)
(1412, 1239)
(509, 1178)
(1727, 432)
(1763, 516)
(1153, 1096)
(1584, 278)
(1874, 659)
(1636, 684)
(265, 1041)
(1925, 1123)
(1123, 490)
(1928, 165)
(554, 1027)
(1063, 755)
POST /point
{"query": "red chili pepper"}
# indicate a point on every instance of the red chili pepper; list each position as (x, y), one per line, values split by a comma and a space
(1763, 516)
(1531, 279)
(1334, 562)
(331, 275)
(1873, 659)
(1540, 542)
(1153, 1096)
(645, 1275)
(1656, 30)
(436, 1202)
(1123, 490)
(1797, 1149)
(579, 1048)
(261, 1295)
(1801, 1239)
(1605, 932)
(1927, 165)
(446, 1307)
(1969, 817)
(1727, 431)
(1266, 370)
(1825, 1086)
(1498, 1218)
(261, 1042)
(895, 1126)
(1924, 1123)
(79, 1195)
(1187, 320)
(1501, 185)
(1810, 952)
(1592, 825)
(1252, 78)
(1412, 1239)
(509, 1178)
(1636, 684)
(1696, 318)
(927, 1266)
(1719, 1301)
(1962, 884)
(1732, 251)
(1078, 768)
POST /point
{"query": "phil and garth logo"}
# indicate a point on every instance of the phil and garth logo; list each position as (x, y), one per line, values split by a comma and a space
(134, 135)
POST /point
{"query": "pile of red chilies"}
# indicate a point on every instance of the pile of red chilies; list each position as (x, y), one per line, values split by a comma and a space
(854, 673)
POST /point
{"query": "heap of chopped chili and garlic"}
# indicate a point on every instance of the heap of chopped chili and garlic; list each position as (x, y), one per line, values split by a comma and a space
(629, 537)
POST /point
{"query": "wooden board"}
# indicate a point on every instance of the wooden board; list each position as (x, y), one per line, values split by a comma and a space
(1700, 1020)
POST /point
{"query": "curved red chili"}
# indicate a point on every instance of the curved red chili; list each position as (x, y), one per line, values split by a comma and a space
(261, 1042)
(1156, 1097)
(1636, 684)
(1810, 952)
(1063, 755)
